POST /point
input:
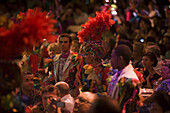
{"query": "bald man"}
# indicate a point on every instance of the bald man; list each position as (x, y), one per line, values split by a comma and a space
(83, 102)
(65, 96)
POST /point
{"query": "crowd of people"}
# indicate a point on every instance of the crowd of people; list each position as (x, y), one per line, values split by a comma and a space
(99, 67)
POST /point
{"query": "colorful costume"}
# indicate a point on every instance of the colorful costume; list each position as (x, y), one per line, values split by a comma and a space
(91, 76)
(124, 87)
(70, 72)
(94, 77)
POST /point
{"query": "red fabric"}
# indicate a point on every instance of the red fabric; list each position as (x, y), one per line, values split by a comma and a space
(34, 64)
(104, 75)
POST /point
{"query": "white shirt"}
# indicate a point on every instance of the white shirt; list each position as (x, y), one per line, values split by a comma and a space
(127, 72)
(69, 102)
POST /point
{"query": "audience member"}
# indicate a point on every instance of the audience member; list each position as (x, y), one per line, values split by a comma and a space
(161, 102)
(64, 89)
(67, 18)
(153, 11)
(138, 50)
(144, 29)
(149, 61)
(125, 89)
(105, 105)
(83, 102)
(156, 50)
(80, 17)
(75, 46)
(53, 49)
(49, 93)
(166, 42)
(127, 29)
(27, 89)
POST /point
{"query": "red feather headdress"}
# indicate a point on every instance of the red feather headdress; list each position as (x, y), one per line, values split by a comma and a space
(34, 26)
(93, 29)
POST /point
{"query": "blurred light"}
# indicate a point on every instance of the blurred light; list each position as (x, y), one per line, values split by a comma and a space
(115, 1)
(113, 6)
(106, 4)
(106, 0)
(114, 12)
(134, 13)
(112, 9)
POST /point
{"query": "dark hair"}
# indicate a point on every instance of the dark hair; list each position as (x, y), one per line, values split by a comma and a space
(146, 21)
(126, 42)
(163, 49)
(65, 35)
(152, 57)
(63, 88)
(150, 39)
(123, 36)
(128, 24)
(124, 51)
(49, 88)
(105, 105)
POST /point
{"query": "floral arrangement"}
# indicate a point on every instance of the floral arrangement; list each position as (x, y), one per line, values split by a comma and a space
(32, 28)
(94, 27)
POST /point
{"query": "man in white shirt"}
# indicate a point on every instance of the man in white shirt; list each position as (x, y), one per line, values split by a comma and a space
(123, 86)
(65, 96)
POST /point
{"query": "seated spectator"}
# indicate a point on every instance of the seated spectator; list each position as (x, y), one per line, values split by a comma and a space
(105, 105)
(64, 89)
(138, 50)
(156, 50)
(83, 102)
(166, 41)
(164, 83)
(80, 17)
(149, 61)
(127, 29)
(48, 93)
(67, 18)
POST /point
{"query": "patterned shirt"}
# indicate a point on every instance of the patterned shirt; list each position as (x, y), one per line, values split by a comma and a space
(62, 62)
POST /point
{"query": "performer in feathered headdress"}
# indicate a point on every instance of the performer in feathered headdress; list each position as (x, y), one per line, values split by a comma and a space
(94, 72)
(29, 30)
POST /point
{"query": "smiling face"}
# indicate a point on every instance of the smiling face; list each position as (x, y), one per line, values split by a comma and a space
(146, 62)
